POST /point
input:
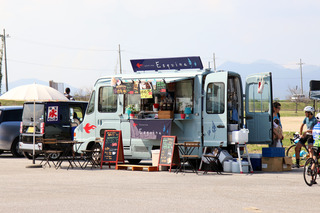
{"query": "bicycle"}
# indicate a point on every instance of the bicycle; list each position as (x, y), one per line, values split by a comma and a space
(291, 151)
(311, 168)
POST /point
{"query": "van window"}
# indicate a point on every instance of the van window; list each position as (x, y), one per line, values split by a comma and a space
(215, 98)
(12, 115)
(107, 100)
(259, 102)
(90, 107)
(28, 113)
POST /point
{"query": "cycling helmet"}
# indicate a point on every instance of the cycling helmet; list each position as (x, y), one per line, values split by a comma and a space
(318, 117)
(309, 109)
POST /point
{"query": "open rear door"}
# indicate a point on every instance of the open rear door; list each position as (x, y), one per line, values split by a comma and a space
(258, 108)
(214, 110)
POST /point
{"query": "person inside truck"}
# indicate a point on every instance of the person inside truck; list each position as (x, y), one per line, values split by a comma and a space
(76, 120)
(310, 121)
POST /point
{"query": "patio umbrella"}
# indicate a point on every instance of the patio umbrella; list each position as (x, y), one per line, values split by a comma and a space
(33, 92)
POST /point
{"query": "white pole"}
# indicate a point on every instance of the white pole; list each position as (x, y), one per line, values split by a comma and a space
(34, 133)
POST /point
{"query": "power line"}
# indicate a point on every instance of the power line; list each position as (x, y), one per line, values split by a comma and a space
(56, 66)
(64, 47)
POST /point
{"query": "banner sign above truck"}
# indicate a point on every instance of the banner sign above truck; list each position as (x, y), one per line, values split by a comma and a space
(193, 62)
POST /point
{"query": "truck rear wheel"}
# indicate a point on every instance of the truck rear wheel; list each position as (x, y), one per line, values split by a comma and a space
(29, 155)
(15, 149)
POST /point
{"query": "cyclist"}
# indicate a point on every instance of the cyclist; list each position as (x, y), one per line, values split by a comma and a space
(310, 121)
(316, 132)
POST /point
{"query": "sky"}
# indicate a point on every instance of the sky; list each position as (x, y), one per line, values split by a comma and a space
(77, 41)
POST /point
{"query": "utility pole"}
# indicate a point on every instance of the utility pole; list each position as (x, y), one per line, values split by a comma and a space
(120, 59)
(301, 75)
(5, 56)
(214, 62)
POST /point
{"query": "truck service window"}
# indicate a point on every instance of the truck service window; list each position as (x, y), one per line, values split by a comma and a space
(107, 100)
(184, 95)
(215, 98)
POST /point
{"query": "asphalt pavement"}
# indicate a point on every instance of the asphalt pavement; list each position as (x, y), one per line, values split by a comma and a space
(108, 190)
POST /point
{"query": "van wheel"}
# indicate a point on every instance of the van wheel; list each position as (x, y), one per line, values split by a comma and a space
(134, 161)
(29, 155)
(15, 148)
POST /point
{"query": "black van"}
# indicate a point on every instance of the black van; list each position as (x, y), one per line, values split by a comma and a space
(52, 120)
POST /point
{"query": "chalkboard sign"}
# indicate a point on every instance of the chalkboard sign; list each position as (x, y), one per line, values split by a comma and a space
(126, 88)
(112, 151)
(161, 87)
(169, 153)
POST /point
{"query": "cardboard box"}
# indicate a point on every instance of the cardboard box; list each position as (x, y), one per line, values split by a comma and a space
(274, 164)
(165, 114)
(273, 152)
(287, 163)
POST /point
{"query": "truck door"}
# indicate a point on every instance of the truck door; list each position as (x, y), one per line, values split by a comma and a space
(214, 109)
(107, 117)
(87, 129)
(258, 108)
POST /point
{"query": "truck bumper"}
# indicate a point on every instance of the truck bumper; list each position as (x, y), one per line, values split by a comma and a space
(24, 147)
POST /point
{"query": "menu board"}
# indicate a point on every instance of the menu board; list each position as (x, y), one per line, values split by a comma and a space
(126, 88)
(112, 151)
(169, 154)
(161, 87)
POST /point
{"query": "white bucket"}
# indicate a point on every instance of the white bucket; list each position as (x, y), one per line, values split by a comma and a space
(235, 167)
(227, 166)
(240, 136)
(155, 157)
(245, 166)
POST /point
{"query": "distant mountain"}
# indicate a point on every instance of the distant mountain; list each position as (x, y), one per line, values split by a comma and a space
(282, 78)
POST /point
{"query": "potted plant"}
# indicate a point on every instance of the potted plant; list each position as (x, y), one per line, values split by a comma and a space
(181, 110)
(187, 111)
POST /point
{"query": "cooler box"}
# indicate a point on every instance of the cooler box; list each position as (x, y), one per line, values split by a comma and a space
(255, 161)
(224, 155)
(272, 152)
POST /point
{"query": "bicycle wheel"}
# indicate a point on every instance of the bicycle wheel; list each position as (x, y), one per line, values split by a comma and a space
(310, 171)
(291, 152)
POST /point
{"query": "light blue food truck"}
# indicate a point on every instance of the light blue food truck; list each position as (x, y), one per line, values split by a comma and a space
(177, 96)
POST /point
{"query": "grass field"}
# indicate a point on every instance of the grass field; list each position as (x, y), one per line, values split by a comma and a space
(255, 148)
(11, 103)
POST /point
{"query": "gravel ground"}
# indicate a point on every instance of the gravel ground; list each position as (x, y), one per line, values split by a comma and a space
(95, 190)
(291, 123)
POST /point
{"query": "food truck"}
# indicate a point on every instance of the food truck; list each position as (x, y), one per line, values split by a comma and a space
(176, 96)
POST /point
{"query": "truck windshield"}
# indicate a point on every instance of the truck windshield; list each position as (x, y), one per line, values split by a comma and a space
(28, 113)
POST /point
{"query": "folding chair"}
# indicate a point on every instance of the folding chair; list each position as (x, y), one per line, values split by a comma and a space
(187, 155)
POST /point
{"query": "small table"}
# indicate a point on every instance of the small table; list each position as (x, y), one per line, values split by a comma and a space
(69, 154)
(186, 150)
